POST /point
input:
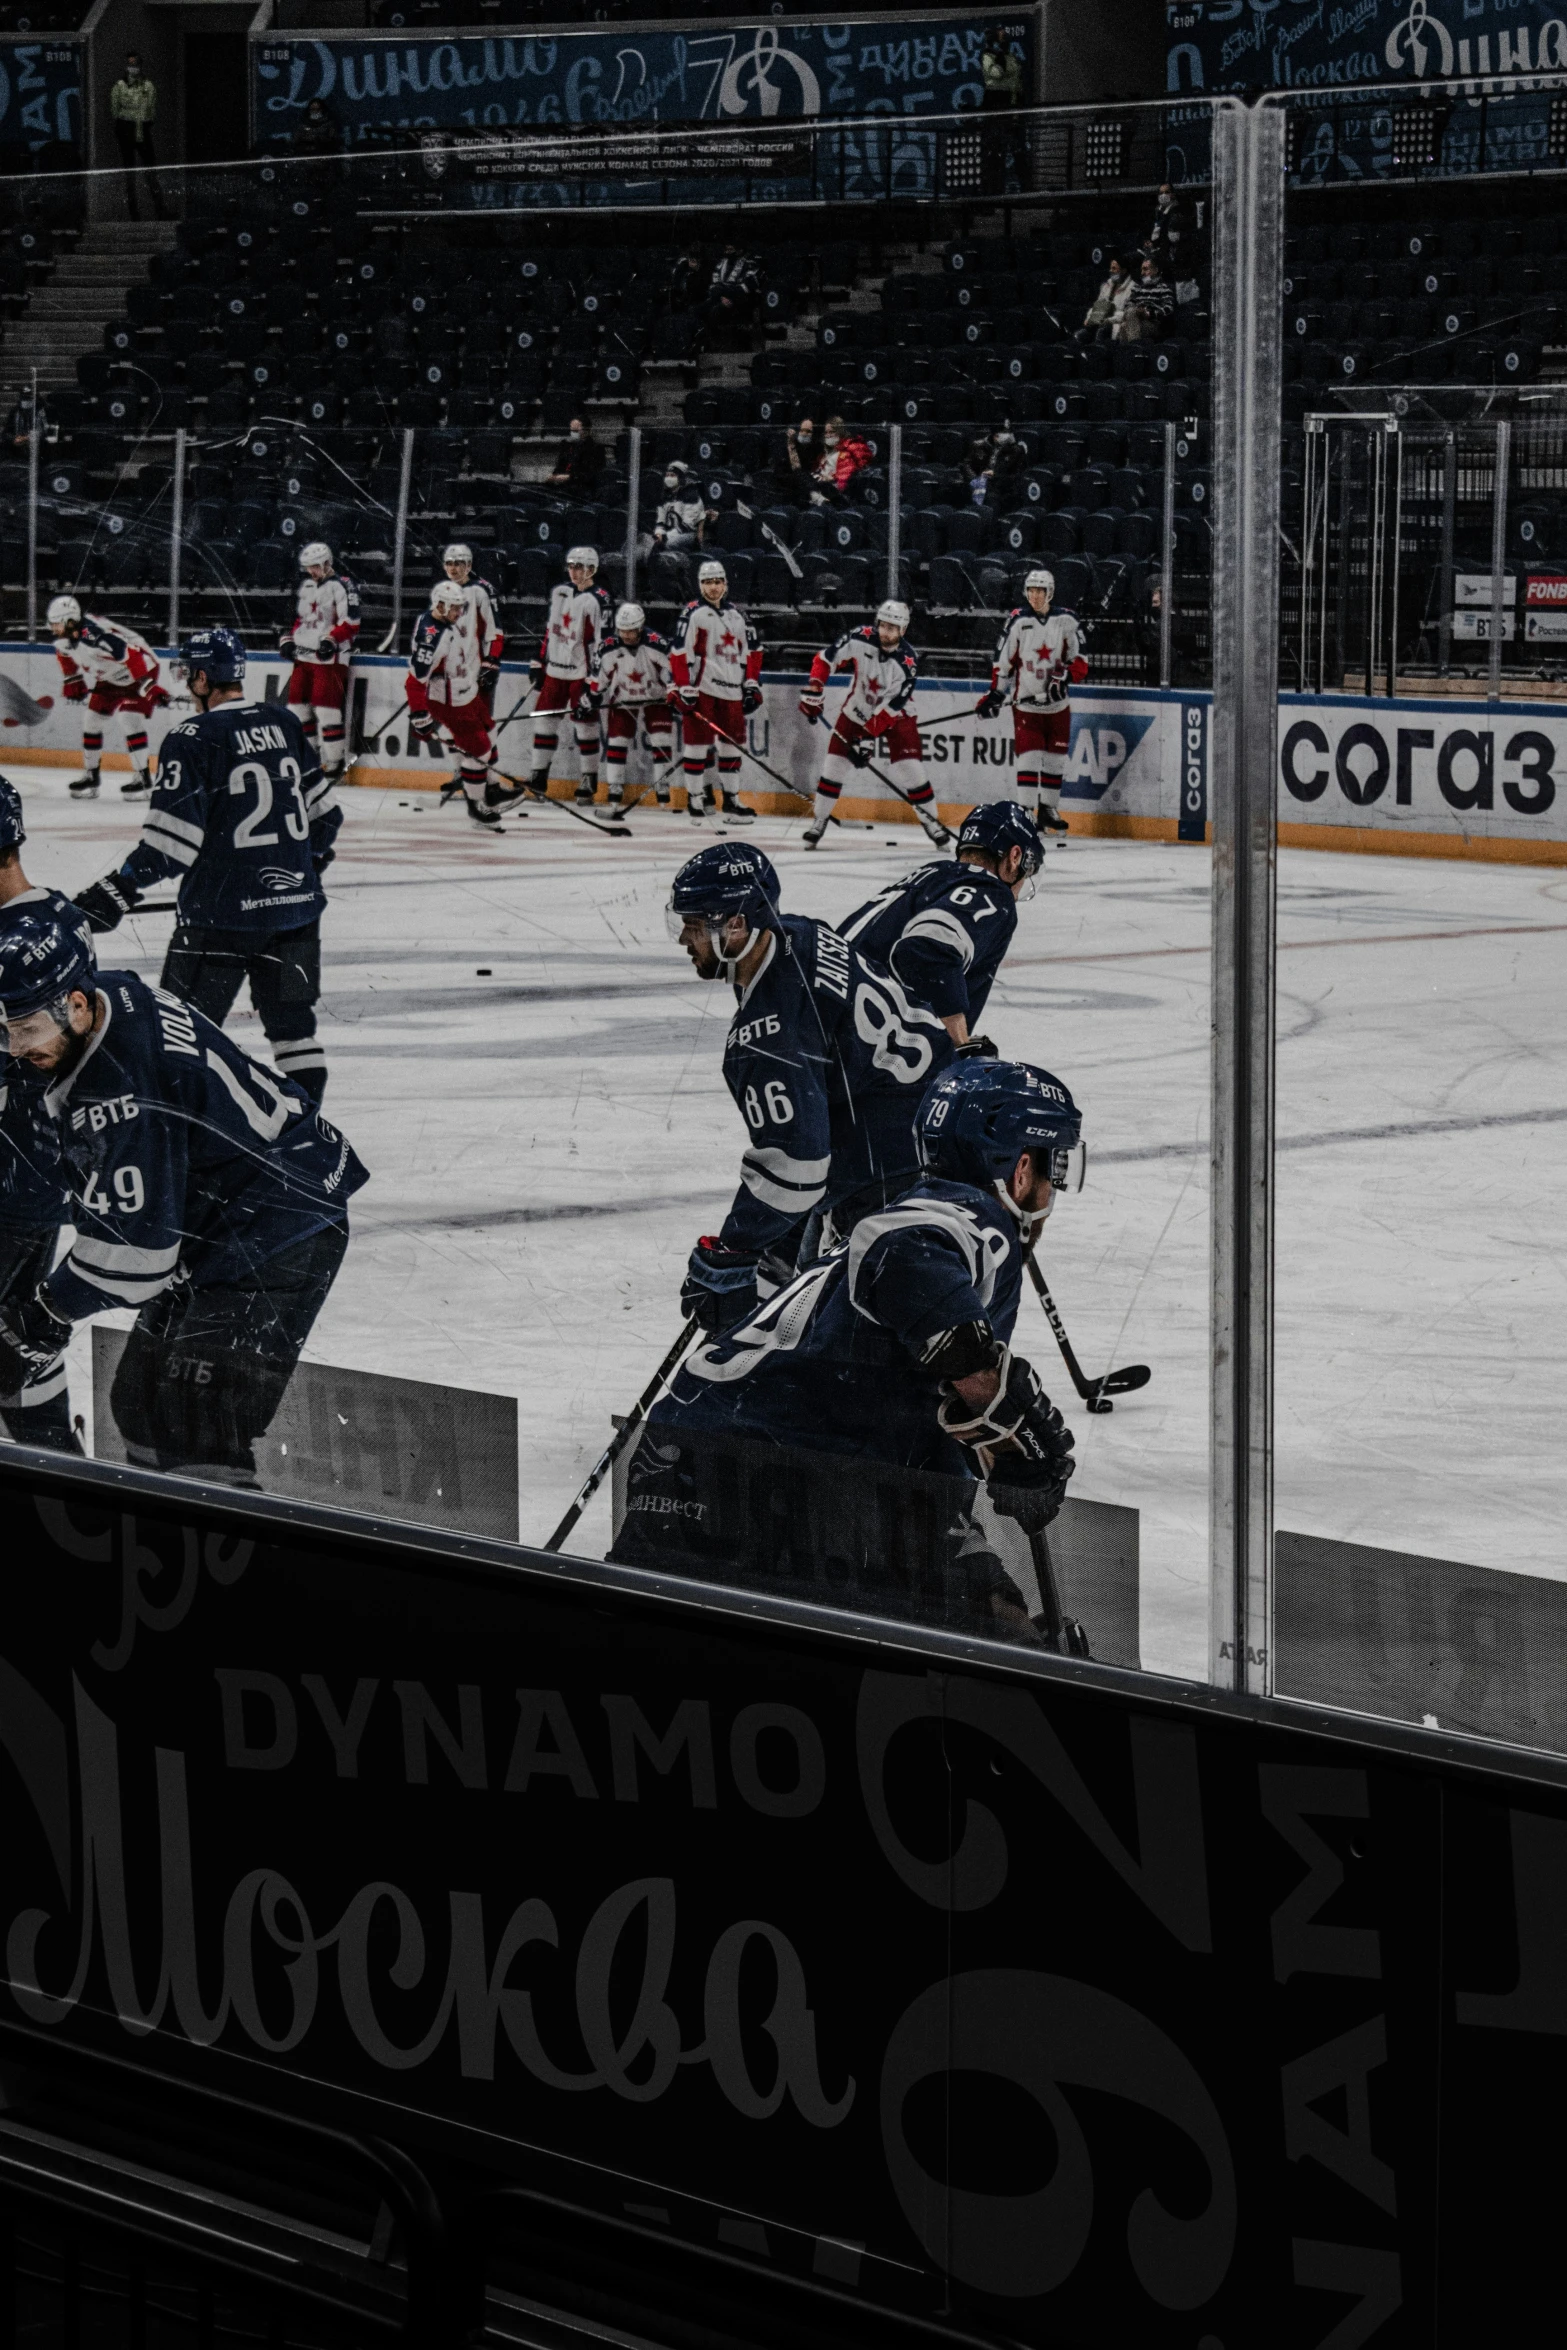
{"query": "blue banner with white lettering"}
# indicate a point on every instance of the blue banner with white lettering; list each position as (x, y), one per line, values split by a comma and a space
(630, 76)
(40, 93)
(1335, 44)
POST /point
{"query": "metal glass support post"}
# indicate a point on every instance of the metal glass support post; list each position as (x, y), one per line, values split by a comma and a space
(1167, 558)
(1504, 451)
(393, 636)
(1248, 228)
(633, 507)
(33, 439)
(1395, 553)
(1449, 525)
(894, 509)
(176, 535)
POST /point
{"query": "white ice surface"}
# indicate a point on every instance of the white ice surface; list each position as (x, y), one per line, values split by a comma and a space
(546, 1142)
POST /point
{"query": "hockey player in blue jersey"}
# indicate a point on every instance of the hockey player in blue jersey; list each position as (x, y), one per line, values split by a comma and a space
(944, 928)
(893, 1349)
(244, 820)
(826, 1060)
(34, 1201)
(208, 1194)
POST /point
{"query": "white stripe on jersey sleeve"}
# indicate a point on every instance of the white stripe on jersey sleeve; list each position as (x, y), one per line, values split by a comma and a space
(321, 798)
(112, 1256)
(127, 1285)
(934, 1215)
(792, 1186)
(156, 835)
(944, 929)
(179, 826)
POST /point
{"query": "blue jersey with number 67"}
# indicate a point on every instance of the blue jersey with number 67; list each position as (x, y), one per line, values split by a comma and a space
(826, 1060)
(240, 815)
(942, 930)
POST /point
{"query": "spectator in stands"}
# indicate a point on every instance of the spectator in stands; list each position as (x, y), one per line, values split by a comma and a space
(1151, 307)
(842, 455)
(1108, 307)
(679, 527)
(797, 462)
(318, 134)
(1001, 72)
(990, 473)
(733, 291)
(1171, 238)
(579, 460)
(686, 281)
(133, 109)
(19, 428)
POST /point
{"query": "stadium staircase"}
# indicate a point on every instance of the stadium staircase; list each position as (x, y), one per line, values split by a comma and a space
(67, 313)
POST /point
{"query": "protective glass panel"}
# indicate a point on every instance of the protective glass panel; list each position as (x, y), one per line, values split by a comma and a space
(377, 352)
(1419, 1480)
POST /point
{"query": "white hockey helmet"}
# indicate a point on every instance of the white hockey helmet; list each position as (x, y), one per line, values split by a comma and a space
(630, 616)
(316, 552)
(1040, 578)
(894, 613)
(458, 553)
(64, 612)
(447, 596)
(587, 557)
(711, 569)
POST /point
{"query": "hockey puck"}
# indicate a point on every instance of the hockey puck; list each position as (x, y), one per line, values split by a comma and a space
(484, 972)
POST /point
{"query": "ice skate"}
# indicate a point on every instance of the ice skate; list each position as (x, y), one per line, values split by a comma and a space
(932, 825)
(83, 787)
(815, 832)
(138, 787)
(488, 817)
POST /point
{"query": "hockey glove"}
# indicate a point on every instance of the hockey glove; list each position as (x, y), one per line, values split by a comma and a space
(978, 1048)
(32, 1337)
(860, 754)
(158, 698)
(750, 696)
(990, 705)
(720, 1285)
(489, 678)
(107, 902)
(688, 697)
(75, 689)
(536, 671)
(811, 708)
(422, 724)
(1077, 670)
(1021, 1442)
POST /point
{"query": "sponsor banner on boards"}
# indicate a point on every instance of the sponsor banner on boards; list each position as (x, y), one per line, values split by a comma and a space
(1480, 770)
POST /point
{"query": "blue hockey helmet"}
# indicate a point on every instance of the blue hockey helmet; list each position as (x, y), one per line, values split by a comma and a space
(978, 1117)
(999, 825)
(41, 961)
(12, 830)
(219, 651)
(725, 880)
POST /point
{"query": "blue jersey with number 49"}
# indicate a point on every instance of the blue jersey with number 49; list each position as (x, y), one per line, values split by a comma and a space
(240, 815)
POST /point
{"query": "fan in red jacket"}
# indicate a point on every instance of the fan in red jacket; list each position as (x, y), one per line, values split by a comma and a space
(716, 665)
(110, 668)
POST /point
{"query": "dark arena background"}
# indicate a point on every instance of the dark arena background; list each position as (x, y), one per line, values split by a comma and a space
(783, 884)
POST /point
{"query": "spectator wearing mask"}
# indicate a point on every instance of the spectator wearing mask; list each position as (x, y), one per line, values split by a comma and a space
(733, 290)
(133, 109)
(19, 425)
(1108, 307)
(843, 455)
(579, 460)
(679, 526)
(989, 474)
(318, 134)
(1170, 239)
(1151, 307)
(1001, 73)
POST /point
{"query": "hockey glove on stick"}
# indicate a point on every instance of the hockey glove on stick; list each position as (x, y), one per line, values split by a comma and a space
(720, 1285)
(489, 678)
(32, 1338)
(688, 697)
(1020, 1440)
(424, 726)
(107, 902)
(750, 696)
(811, 708)
(978, 1048)
(990, 705)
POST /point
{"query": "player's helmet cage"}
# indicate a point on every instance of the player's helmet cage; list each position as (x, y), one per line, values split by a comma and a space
(316, 552)
(64, 612)
(894, 614)
(41, 962)
(12, 830)
(998, 825)
(218, 651)
(978, 1118)
(458, 553)
(629, 617)
(582, 558)
(715, 886)
(1040, 578)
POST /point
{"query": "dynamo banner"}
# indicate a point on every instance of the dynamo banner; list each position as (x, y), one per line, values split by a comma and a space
(40, 93)
(1334, 44)
(642, 77)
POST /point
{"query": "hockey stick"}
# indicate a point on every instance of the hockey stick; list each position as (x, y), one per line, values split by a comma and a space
(770, 538)
(1096, 1393)
(623, 1434)
(947, 834)
(516, 710)
(1062, 1632)
(619, 829)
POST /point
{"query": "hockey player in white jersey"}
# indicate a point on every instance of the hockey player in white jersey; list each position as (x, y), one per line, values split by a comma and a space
(579, 620)
(481, 618)
(630, 681)
(443, 693)
(875, 719)
(1039, 658)
(112, 670)
(320, 641)
(716, 665)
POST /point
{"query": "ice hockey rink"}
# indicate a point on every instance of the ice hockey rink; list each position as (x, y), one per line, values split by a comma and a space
(531, 1072)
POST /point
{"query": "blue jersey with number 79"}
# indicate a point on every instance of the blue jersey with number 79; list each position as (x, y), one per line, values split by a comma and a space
(240, 815)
